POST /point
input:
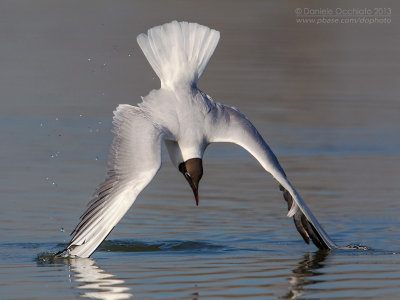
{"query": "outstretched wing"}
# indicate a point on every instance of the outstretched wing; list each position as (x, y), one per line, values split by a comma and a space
(135, 158)
(227, 124)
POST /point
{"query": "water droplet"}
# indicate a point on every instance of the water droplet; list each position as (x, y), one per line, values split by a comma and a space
(47, 178)
(62, 229)
(97, 158)
(99, 122)
(41, 125)
(56, 119)
(54, 184)
(89, 59)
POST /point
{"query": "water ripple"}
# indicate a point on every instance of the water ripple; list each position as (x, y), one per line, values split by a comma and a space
(159, 246)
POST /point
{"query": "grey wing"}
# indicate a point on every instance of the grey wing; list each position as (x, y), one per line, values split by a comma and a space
(135, 158)
(227, 124)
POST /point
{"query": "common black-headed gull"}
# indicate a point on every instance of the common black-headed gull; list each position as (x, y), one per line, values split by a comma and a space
(187, 120)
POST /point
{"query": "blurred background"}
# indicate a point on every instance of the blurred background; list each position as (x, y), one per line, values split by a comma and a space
(324, 96)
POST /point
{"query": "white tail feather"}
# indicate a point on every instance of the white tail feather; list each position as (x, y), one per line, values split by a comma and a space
(178, 51)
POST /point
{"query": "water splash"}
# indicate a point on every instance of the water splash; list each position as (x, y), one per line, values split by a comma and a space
(358, 247)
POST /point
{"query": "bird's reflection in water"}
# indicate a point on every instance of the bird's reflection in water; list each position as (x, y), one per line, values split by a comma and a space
(101, 285)
(303, 274)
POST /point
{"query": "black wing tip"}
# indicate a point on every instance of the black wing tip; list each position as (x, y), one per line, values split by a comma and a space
(317, 239)
(303, 226)
(62, 253)
(66, 252)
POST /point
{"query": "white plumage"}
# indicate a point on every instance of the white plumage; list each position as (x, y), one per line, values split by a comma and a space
(187, 120)
(178, 52)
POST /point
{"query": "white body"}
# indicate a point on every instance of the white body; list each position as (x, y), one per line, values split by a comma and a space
(187, 120)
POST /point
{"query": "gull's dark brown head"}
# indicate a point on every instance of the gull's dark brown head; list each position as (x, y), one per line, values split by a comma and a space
(192, 169)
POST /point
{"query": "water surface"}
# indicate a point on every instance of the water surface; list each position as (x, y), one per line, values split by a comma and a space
(324, 97)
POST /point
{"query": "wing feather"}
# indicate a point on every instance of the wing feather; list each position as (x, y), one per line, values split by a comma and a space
(135, 158)
(227, 124)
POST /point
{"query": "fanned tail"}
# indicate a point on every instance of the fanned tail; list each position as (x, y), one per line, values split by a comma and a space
(178, 51)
